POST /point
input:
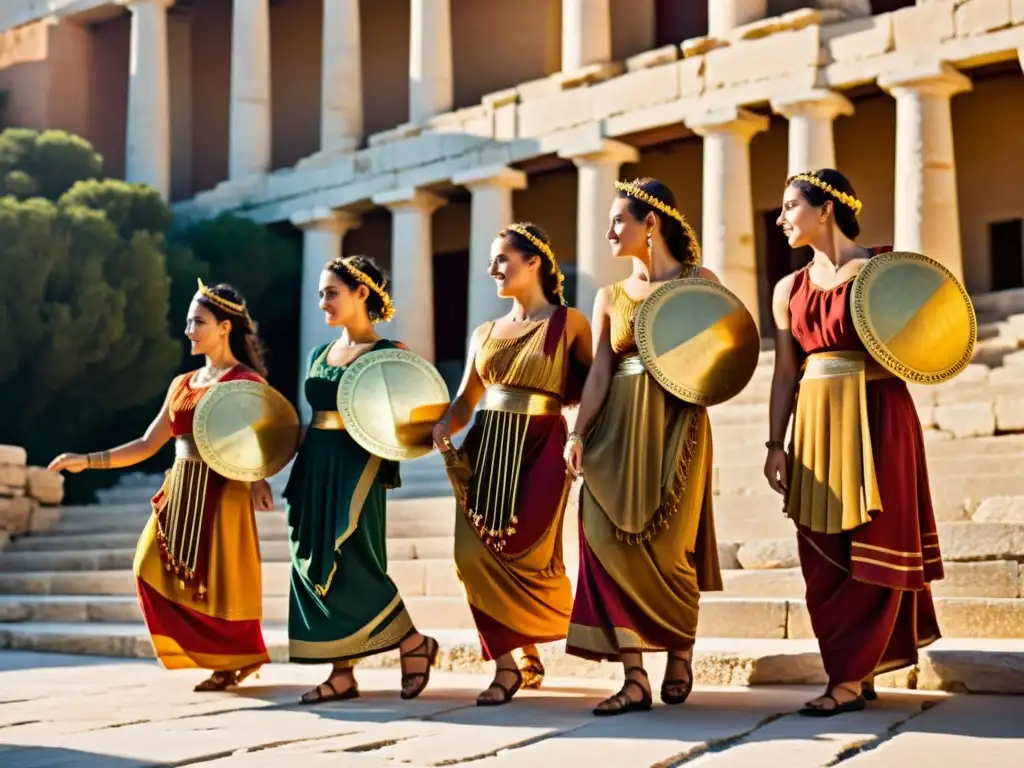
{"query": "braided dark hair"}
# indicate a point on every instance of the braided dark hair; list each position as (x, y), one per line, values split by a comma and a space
(681, 240)
(550, 274)
(365, 264)
(846, 217)
(244, 340)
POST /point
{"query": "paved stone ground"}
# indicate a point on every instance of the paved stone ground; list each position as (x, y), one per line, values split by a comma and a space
(88, 712)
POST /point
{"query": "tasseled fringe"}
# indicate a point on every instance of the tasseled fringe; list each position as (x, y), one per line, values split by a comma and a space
(670, 503)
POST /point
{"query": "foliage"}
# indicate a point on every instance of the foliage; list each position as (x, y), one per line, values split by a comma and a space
(83, 302)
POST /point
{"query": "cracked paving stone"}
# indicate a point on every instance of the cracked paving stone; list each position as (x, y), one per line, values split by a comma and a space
(803, 742)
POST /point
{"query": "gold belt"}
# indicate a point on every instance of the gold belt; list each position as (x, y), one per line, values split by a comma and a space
(327, 420)
(523, 401)
(827, 365)
(631, 365)
(185, 448)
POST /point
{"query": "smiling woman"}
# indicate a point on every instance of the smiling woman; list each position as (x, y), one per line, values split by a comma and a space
(522, 370)
(197, 564)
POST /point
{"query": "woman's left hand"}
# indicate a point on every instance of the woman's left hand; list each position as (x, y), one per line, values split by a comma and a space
(262, 496)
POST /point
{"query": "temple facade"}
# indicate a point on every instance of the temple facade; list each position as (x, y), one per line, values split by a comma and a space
(412, 130)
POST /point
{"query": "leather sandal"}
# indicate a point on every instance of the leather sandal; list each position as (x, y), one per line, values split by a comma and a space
(626, 704)
(222, 680)
(532, 670)
(817, 710)
(429, 650)
(667, 695)
(868, 691)
(317, 696)
(507, 693)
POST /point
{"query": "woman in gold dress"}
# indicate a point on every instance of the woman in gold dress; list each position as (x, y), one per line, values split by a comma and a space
(647, 536)
(522, 370)
(197, 565)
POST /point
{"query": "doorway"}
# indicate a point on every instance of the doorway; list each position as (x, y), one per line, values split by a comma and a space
(1006, 254)
(451, 312)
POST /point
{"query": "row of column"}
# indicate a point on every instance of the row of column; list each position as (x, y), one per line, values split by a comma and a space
(926, 210)
(586, 40)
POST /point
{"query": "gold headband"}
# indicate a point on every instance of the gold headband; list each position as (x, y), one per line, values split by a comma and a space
(544, 248)
(388, 310)
(848, 200)
(634, 190)
(220, 301)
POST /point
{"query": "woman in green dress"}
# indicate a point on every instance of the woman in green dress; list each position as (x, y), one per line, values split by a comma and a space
(343, 605)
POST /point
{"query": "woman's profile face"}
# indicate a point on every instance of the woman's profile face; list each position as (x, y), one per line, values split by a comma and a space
(204, 332)
(338, 302)
(511, 268)
(801, 222)
(626, 235)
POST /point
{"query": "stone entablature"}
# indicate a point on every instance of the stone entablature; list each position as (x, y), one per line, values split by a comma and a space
(765, 61)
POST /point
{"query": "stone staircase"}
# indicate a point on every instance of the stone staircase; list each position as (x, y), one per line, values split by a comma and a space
(70, 589)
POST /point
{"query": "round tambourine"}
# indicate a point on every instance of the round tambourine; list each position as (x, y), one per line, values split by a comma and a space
(914, 317)
(390, 400)
(245, 430)
(698, 340)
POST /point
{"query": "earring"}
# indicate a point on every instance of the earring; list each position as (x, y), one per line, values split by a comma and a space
(650, 242)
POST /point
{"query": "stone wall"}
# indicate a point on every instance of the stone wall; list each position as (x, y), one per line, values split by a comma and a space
(28, 495)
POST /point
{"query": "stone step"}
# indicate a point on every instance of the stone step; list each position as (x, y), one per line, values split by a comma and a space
(961, 542)
(727, 617)
(952, 664)
(275, 550)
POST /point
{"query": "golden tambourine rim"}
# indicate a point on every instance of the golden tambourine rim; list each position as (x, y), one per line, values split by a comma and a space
(644, 343)
(209, 401)
(876, 348)
(349, 380)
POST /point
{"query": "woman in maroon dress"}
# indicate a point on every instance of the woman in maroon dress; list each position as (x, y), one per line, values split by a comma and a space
(855, 480)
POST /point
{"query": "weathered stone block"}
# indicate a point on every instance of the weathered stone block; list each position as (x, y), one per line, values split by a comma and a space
(1000, 578)
(970, 671)
(544, 115)
(635, 90)
(858, 39)
(798, 623)
(1009, 411)
(691, 76)
(505, 122)
(976, 17)
(768, 58)
(779, 583)
(727, 559)
(698, 46)
(12, 476)
(920, 27)
(1014, 359)
(770, 553)
(15, 514)
(1017, 11)
(664, 55)
(14, 455)
(1000, 509)
(735, 618)
(44, 486)
(1008, 376)
(966, 419)
(981, 617)
(981, 541)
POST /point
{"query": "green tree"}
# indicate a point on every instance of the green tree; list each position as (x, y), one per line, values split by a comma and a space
(85, 351)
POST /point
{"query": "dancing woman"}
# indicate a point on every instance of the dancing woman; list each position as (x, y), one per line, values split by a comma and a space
(197, 565)
(521, 371)
(343, 606)
(647, 536)
(856, 482)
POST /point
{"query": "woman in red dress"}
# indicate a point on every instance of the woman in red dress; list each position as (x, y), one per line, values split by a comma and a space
(855, 480)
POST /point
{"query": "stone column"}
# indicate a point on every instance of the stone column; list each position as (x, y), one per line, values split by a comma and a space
(322, 233)
(492, 188)
(148, 140)
(179, 38)
(726, 15)
(341, 98)
(586, 33)
(728, 222)
(431, 82)
(811, 138)
(927, 213)
(249, 139)
(412, 267)
(597, 172)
